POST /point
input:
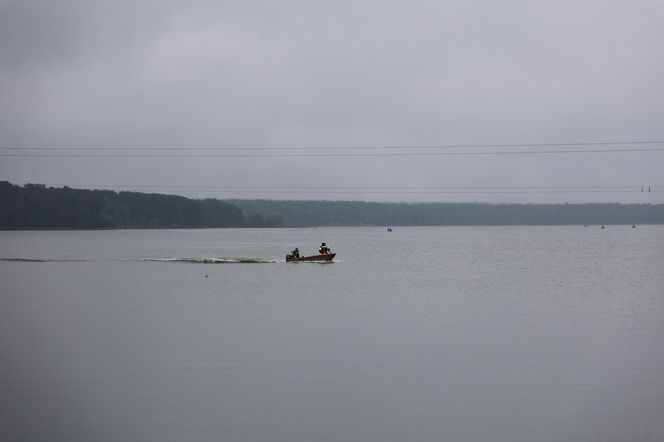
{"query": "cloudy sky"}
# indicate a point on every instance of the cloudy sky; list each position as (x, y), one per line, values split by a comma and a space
(373, 100)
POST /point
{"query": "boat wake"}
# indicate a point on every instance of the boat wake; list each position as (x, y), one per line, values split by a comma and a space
(214, 260)
(39, 260)
(177, 260)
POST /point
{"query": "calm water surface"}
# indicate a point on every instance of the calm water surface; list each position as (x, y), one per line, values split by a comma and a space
(421, 334)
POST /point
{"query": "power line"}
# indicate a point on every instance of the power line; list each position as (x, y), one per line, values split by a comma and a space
(190, 187)
(389, 147)
(326, 151)
(382, 189)
(305, 191)
(337, 154)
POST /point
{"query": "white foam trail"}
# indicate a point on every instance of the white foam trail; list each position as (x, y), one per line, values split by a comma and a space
(215, 260)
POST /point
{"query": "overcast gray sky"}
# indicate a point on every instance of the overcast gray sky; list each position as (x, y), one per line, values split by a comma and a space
(301, 74)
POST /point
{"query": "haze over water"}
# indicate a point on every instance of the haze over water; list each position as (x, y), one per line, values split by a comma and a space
(421, 334)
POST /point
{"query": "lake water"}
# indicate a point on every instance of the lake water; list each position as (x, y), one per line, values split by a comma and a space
(420, 334)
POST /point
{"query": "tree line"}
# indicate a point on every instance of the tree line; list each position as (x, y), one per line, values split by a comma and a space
(357, 213)
(35, 206)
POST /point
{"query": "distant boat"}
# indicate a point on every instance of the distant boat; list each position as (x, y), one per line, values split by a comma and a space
(389, 229)
(602, 226)
(320, 258)
(633, 226)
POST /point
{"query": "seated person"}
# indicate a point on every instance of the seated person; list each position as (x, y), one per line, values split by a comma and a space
(324, 250)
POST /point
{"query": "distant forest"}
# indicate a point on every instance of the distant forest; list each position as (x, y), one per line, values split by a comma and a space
(355, 213)
(35, 206)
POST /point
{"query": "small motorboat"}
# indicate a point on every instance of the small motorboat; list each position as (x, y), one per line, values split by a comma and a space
(320, 258)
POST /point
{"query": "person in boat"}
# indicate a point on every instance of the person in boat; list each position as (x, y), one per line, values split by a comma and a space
(324, 250)
(295, 253)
